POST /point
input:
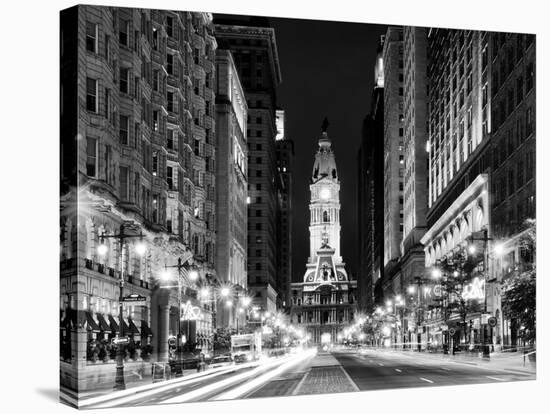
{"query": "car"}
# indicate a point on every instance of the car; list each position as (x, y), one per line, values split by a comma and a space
(221, 361)
(241, 358)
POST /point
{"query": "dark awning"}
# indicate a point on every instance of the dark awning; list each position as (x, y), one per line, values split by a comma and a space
(91, 323)
(103, 325)
(113, 323)
(133, 328)
(145, 330)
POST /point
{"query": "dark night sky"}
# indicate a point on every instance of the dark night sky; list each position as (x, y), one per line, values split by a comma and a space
(327, 70)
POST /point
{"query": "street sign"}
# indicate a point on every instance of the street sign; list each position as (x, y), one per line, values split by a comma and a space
(134, 298)
(492, 321)
(452, 331)
(117, 341)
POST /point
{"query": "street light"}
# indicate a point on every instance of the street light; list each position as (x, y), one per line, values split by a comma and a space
(102, 249)
(192, 274)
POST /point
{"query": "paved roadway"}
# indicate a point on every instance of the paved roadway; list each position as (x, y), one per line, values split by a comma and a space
(341, 371)
(377, 370)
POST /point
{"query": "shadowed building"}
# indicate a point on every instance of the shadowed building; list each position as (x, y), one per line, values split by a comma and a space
(252, 44)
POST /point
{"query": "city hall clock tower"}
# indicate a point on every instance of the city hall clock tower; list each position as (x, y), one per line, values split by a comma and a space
(325, 301)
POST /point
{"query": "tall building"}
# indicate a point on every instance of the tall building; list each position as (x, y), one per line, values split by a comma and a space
(324, 302)
(481, 164)
(254, 49)
(394, 162)
(370, 193)
(459, 163)
(285, 165)
(137, 153)
(415, 177)
(513, 145)
(231, 182)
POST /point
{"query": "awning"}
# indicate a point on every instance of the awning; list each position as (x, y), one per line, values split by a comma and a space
(113, 323)
(103, 325)
(133, 328)
(145, 330)
(91, 323)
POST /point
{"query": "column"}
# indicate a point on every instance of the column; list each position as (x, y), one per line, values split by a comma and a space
(164, 326)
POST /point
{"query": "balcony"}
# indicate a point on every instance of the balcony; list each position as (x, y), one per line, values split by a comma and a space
(115, 274)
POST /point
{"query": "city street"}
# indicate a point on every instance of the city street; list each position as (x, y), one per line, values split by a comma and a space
(312, 372)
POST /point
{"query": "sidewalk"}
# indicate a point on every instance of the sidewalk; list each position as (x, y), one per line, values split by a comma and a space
(506, 361)
(325, 376)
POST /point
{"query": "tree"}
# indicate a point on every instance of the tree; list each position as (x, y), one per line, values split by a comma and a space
(456, 273)
(520, 289)
(519, 303)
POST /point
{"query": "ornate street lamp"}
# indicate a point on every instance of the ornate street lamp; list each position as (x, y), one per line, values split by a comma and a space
(102, 249)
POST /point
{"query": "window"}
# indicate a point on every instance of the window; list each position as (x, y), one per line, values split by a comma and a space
(530, 77)
(258, 173)
(258, 133)
(123, 30)
(400, 132)
(519, 90)
(91, 157)
(91, 94)
(258, 160)
(529, 121)
(170, 139)
(258, 147)
(170, 26)
(124, 188)
(325, 217)
(170, 177)
(170, 99)
(259, 120)
(400, 91)
(258, 213)
(108, 103)
(259, 187)
(123, 129)
(156, 80)
(91, 37)
(155, 120)
(124, 80)
(155, 163)
(258, 226)
(170, 64)
(259, 267)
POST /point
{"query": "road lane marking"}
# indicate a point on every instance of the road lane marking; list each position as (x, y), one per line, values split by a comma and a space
(220, 385)
(427, 380)
(446, 369)
(381, 364)
(397, 369)
(495, 378)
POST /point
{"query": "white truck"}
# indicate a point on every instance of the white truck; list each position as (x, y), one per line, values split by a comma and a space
(246, 347)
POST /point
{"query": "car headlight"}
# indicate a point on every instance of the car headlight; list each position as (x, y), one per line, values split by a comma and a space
(249, 357)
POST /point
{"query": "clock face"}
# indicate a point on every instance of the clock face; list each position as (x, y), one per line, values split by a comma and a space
(325, 193)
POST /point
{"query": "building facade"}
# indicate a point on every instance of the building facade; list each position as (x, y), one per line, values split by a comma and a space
(513, 146)
(370, 193)
(394, 162)
(324, 303)
(482, 143)
(137, 156)
(253, 46)
(415, 178)
(231, 182)
(285, 164)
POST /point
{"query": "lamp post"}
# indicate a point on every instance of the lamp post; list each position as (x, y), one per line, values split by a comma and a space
(192, 275)
(498, 251)
(102, 250)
